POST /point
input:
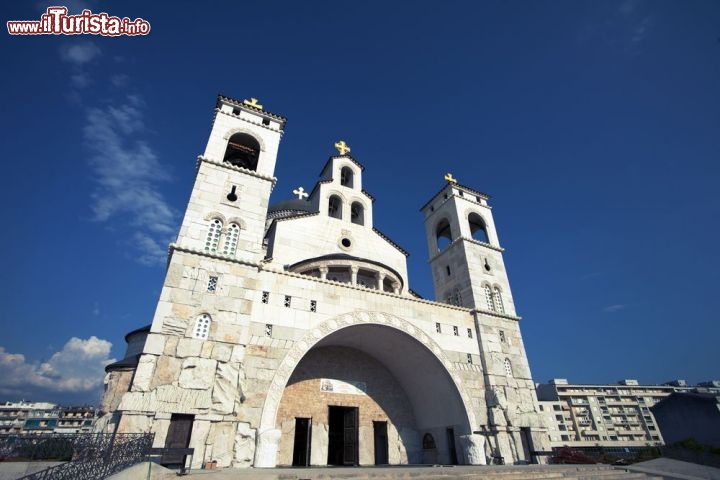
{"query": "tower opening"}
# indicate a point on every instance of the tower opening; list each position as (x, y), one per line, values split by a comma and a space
(242, 150)
(335, 206)
(357, 213)
(443, 234)
(478, 230)
(346, 177)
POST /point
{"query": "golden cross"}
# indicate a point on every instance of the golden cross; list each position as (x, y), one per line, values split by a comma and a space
(450, 178)
(253, 102)
(342, 147)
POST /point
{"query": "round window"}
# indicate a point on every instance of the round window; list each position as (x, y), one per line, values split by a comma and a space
(346, 242)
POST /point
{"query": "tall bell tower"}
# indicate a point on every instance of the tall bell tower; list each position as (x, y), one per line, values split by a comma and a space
(468, 271)
(228, 204)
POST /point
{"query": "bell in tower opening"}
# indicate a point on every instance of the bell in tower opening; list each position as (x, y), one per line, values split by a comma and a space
(242, 151)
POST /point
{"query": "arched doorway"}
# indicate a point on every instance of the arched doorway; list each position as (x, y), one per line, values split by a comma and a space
(394, 376)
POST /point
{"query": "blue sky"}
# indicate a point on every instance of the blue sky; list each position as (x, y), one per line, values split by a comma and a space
(594, 126)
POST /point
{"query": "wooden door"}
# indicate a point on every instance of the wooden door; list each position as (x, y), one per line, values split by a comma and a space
(178, 436)
(350, 436)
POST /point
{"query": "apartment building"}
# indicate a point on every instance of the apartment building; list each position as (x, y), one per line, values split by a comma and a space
(44, 418)
(613, 415)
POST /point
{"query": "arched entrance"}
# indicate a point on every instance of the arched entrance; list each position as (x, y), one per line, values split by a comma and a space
(388, 369)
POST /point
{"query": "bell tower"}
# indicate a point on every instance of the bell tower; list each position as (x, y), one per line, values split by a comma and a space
(465, 253)
(228, 204)
(468, 271)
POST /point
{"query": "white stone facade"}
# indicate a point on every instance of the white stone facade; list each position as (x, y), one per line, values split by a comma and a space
(281, 327)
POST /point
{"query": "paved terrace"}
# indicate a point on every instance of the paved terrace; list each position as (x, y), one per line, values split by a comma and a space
(499, 472)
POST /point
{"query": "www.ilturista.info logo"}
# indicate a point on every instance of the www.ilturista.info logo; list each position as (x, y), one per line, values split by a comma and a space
(57, 22)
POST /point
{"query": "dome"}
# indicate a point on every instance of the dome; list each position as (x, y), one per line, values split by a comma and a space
(290, 208)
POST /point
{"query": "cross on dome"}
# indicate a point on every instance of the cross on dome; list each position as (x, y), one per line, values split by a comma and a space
(300, 192)
(342, 147)
(253, 102)
(449, 178)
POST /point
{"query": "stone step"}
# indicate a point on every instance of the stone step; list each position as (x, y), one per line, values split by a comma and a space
(494, 472)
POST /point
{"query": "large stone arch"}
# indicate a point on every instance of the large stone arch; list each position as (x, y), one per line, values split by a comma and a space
(268, 434)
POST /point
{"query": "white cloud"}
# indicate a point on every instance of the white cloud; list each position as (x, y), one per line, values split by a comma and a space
(625, 26)
(152, 251)
(127, 173)
(628, 7)
(78, 367)
(119, 80)
(614, 308)
(640, 30)
(80, 53)
(80, 80)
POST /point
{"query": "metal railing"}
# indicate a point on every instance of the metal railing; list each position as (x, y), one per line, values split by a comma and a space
(91, 456)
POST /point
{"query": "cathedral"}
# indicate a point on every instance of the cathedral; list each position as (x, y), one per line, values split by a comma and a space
(288, 334)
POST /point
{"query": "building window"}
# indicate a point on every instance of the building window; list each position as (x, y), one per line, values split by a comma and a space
(213, 236)
(502, 336)
(268, 330)
(437, 328)
(508, 367)
(313, 306)
(455, 331)
(335, 206)
(447, 269)
(288, 299)
(265, 297)
(488, 297)
(469, 330)
(469, 359)
(497, 297)
(202, 327)
(212, 284)
(231, 239)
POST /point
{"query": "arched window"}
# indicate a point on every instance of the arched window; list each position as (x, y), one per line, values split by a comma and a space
(508, 367)
(213, 236)
(497, 297)
(231, 239)
(478, 230)
(346, 177)
(443, 234)
(335, 207)
(242, 151)
(357, 213)
(202, 327)
(428, 442)
(489, 297)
